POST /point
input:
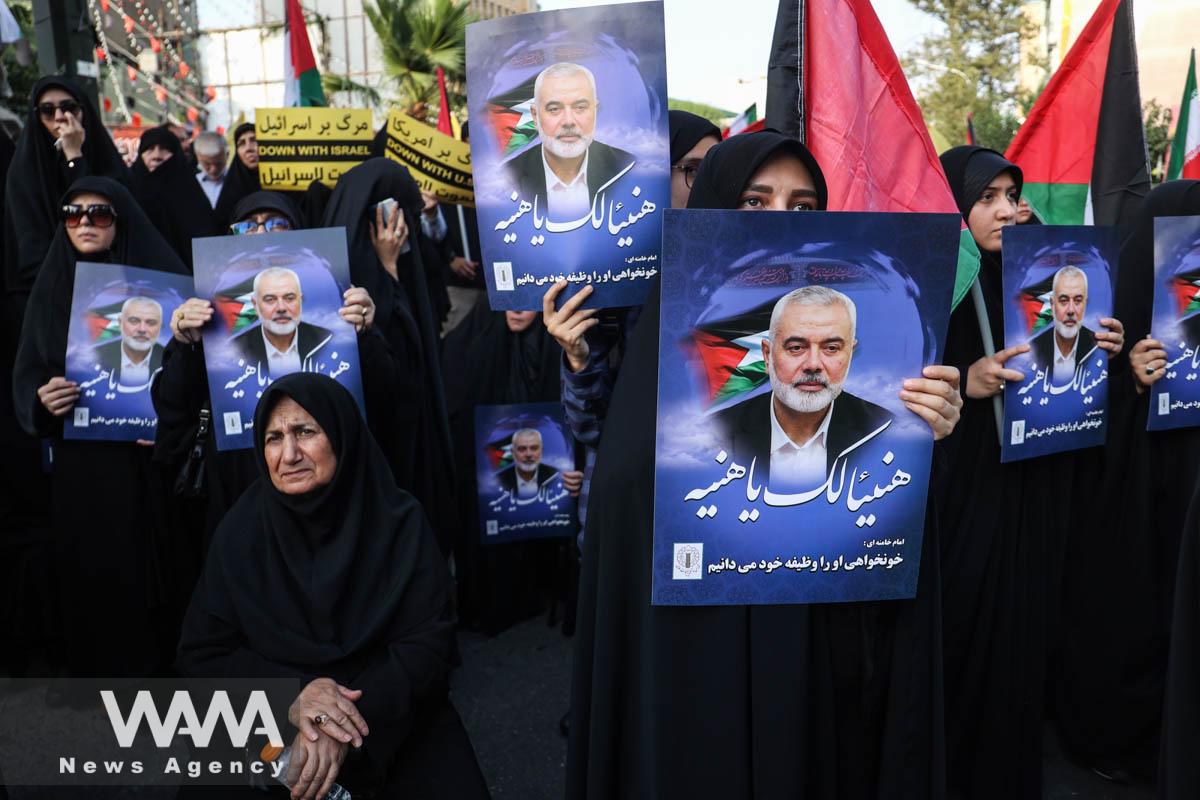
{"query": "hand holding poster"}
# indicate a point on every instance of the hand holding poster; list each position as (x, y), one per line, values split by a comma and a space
(570, 152)
(521, 455)
(787, 467)
(440, 164)
(276, 299)
(297, 146)
(115, 344)
(1175, 396)
(1057, 283)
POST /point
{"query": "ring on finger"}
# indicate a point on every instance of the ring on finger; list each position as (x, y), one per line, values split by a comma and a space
(320, 719)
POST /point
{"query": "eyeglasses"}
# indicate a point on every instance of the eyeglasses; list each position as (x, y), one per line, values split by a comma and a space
(689, 172)
(269, 225)
(50, 110)
(101, 215)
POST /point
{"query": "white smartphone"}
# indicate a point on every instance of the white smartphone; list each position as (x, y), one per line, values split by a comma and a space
(389, 207)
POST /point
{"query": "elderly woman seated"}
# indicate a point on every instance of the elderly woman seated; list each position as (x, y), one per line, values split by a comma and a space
(326, 572)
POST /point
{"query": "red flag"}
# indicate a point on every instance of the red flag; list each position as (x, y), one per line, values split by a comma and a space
(443, 125)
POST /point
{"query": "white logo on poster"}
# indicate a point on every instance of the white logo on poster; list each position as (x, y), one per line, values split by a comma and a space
(689, 561)
(233, 423)
(81, 417)
(1164, 404)
(1018, 431)
(493, 527)
(504, 276)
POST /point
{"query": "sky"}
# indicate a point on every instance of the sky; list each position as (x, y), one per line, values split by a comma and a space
(717, 50)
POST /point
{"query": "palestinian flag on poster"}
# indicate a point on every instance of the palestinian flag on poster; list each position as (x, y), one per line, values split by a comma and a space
(746, 120)
(1035, 303)
(301, 81)
(1186, 286)
(1185, 147)
(234, 306)
(1082, 147)
(510, 119)
(103, 322)
(499, 453)
(730, 353)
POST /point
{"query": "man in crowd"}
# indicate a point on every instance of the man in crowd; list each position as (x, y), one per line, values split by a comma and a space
(212, 157)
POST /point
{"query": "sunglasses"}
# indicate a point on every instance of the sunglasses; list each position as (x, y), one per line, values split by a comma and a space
(101, 215)
(49, 110)
(250, 226)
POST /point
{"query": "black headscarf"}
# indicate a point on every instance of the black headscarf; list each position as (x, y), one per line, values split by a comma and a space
(827, 710)
(313, 202)
(171, 196)
(268, 201)
(43, 348)
(970, 168)
(730, 164)
(344, 581)
(240, 181)
(687, 129)
(38, 177)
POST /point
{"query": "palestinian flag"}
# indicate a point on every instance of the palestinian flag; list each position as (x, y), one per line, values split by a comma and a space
(234, 306)
(1083, 148)
(301, 81)
(499, 453)
(842, 92)
(103, 322)
(1035, 304)
(1185, 147)
(1186, 286)
(745, 122)
(510, 119)
(730, 352)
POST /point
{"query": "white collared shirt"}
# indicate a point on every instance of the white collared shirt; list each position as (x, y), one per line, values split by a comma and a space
(566, 201)
(282, 362)
(1064, 366)
(212, 188)
(798, 466)
(134, 373)
(526, 488)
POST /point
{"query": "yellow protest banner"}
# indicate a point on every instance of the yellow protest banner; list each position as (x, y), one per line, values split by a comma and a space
(440, 164)
(297, 146)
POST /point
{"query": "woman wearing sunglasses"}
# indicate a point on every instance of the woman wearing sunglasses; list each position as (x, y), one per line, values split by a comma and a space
(109, 538)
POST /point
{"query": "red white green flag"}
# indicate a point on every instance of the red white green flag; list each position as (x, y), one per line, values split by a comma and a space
(234, 304)
(509, 116)
(1083, 148)
(302, 82)
(731, 352)
(1185, 147)
(744, 121)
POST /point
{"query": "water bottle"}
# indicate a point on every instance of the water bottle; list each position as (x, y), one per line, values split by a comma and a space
(279, 768)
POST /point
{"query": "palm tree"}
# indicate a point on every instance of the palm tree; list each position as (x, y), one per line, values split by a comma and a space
(418, 36)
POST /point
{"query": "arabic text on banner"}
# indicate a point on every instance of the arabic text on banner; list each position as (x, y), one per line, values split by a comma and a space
(440, 164)
(297, 146)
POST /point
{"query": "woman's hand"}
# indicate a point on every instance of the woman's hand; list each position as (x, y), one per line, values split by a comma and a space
(58, 395)
(568, 325)
(464, 267)
(935, 398)
(389, 238)
(572, 481)
(189, 318)
(314, 766)
(1148, 362)
(1112, 339)
(358, 308)
(325, 706)
(72, 135)
(986, 376)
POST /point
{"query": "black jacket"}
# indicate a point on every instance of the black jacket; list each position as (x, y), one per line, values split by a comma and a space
(109, 356)
(604, 164)
(747, 428)
(312, 338)
(508, 477)
(1041, 347)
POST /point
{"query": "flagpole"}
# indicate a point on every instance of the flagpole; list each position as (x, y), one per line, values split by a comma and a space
(462, 232)
(989, 350)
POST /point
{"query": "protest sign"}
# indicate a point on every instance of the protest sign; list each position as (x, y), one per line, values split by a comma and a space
(1175, 397)
(297, 146)
(440, 164)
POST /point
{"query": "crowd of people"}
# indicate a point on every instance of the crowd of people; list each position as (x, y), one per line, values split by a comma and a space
(343, 550)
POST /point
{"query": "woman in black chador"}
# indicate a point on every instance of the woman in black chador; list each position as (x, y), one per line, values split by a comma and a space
(790, 701)
(324, 571)
(113, 550)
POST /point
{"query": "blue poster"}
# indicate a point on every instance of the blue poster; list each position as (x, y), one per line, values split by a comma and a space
(115, 340)
(521, 453)
(1057, 283)
(1175, 396)
(570, 152)
(276, 299)
(787, 468)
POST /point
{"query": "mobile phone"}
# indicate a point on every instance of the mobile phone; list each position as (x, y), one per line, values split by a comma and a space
(389, 206)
